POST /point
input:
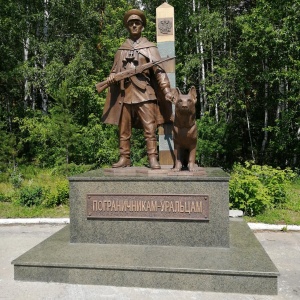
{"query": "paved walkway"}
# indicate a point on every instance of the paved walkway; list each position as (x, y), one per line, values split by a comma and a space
(282, 247)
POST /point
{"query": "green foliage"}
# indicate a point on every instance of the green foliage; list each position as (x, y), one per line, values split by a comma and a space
(4, 176)
(16, 179)
(70, 169)
(293, 203)
(60, 196)
(210, 143)
(254, 188)
(31, 195)
(28, 171)
(56, 134)
(41, 187)
(4, 198)
(10, 210)
(267, 36)
(244, 62)
(64, 131)
(138, 148)
(248, 193)
(277, 216)
(8, 148)
(99, 143)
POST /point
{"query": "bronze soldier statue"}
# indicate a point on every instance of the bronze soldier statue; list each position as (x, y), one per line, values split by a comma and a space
(142, 100)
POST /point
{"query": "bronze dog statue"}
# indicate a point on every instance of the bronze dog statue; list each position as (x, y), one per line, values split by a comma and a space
(185, 130)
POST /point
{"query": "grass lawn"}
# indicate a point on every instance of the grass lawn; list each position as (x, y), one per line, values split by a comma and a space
(288, 214)
(10, 210)
(277, 216)
(9, 195)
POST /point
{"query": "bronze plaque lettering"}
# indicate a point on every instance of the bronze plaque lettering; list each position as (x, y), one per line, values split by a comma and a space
(145, 206)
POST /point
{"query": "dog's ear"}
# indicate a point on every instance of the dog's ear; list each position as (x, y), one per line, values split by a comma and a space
(176, 94)
(193, 94)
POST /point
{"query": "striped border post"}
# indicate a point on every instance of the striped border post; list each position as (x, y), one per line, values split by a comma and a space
(165, 37)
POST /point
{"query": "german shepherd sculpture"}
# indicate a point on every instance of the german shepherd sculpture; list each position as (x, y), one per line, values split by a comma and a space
(185, 130)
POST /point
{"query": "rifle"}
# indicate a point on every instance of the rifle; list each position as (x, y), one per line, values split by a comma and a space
(101, 86)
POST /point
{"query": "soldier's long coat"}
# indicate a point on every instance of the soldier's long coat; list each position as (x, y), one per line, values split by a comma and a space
(152, 79)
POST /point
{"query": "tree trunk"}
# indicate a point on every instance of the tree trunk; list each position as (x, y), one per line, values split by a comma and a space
(27, 92)
(296, 154)
(44, 59)
(201, 69)
(26, 43)
(203, 77)
(249, 133)
(265, 139)
(266, 118)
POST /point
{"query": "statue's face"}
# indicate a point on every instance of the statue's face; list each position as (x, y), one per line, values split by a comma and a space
(135, 28)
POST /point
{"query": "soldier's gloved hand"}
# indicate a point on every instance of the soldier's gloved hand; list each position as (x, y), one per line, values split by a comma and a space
(169, 96)
(111, 79)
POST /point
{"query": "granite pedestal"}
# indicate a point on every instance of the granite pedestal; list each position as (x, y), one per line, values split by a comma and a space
(208, 255)
(211, 233)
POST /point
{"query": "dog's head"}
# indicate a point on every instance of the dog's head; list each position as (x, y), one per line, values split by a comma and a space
(185, 102)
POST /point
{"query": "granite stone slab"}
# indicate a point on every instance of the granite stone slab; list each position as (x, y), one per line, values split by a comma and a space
(136, 180)
(243, 267)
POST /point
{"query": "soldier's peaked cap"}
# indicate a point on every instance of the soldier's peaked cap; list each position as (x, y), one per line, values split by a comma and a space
(134, 12)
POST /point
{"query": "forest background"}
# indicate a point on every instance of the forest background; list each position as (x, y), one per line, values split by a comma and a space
(242, 56)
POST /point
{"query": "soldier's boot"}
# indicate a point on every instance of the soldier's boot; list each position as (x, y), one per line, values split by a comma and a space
(122, 163)
(152, 155)
(124, 160)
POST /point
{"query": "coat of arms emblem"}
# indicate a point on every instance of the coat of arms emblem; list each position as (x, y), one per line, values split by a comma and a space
(165, 26)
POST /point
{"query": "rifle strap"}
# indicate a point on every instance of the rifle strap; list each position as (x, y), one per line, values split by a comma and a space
(149, 55)
(141, 85)
(122, 88)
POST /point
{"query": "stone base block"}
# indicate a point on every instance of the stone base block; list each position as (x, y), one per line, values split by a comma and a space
(244, 267)
(143, 182)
